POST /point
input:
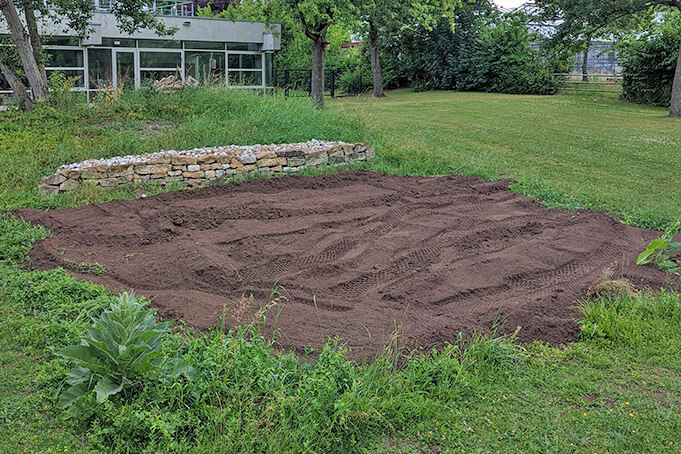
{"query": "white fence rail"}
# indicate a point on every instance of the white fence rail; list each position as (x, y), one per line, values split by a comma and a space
(590, 82)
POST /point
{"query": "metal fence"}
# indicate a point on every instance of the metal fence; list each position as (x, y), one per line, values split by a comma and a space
(298, 82)
(590, 82)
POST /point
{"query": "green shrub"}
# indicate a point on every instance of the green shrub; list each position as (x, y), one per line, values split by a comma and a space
(649, 61)
(513, 66)
(481, 52)
(353, 80)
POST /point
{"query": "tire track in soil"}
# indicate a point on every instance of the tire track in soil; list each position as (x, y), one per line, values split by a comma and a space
(356, 254)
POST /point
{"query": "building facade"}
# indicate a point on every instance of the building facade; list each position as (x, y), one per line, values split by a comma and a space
(236, 54)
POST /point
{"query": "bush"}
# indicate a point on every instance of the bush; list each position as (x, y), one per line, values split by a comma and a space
(513, 66)
(483, 52)
(353, 80)
(649, 61)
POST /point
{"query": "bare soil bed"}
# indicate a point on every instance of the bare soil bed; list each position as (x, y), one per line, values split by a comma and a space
(355, 255)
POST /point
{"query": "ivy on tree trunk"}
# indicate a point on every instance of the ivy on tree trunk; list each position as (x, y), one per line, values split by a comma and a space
(32, 71)
(16, 85)
(675, 107)
(317, 83)
(376, 71)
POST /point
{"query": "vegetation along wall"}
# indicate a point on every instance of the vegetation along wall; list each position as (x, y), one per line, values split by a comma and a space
(200, 165)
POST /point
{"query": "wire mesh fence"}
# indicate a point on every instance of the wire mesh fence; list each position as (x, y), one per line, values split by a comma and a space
(590, 82)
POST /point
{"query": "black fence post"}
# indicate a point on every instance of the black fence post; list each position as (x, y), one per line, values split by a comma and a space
(287, 78)
(275, 79)
(333, 83)
(309, 83)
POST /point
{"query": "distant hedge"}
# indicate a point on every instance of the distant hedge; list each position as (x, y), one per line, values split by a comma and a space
(480, 51)
(649, 61)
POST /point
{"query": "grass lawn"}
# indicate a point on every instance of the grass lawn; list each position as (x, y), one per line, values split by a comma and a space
(616, 390)
(571, 150)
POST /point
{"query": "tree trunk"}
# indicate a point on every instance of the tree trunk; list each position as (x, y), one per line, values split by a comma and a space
(35, 79)
(376, 71)
(34, 36)
(317, 83)
(675, 105)
(585, 61)
(17, 85)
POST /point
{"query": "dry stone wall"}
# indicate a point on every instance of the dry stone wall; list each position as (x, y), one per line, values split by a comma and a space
(198, 166)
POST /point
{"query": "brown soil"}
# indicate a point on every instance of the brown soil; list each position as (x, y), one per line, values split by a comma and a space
(355, 255)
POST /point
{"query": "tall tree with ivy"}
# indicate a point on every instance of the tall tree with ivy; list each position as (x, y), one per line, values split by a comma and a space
(582, 21)
(380, 18)
(315, 17)
(586, 17)
(74, 15)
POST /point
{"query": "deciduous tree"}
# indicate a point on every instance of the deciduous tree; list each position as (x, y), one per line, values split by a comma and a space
(75, 15)
(586, 17)
(379, 18)
(316, 16)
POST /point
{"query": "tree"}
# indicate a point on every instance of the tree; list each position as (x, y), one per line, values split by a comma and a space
(649, 60)
(75, 14)
(381, 18)
(586, 17)
(583, 21)
(316, 16)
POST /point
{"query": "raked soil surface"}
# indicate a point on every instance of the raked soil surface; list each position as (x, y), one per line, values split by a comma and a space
(354, 255)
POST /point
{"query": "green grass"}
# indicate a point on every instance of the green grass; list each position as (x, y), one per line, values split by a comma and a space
(571, 150)
(616, 390)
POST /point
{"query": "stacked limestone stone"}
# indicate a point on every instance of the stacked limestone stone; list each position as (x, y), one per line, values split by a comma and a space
(200, 165)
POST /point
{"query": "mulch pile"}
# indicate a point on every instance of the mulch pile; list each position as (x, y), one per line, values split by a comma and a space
(355, 255)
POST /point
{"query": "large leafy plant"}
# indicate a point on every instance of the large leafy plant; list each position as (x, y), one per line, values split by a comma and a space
(659, 251)
(124, 346)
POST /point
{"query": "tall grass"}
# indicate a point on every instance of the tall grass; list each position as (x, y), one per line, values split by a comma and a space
(34, 144)
(625, 320)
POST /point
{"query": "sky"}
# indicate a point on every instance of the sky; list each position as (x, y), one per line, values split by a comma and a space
(509, 3)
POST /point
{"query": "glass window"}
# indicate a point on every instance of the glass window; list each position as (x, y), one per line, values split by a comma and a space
(205, 67)
(158, 43)
(118, 42)
(60, 41)
(103, 5)
(204, 45)
(75, 74)
(268, 70)
(64, 58)
(170, 60)
(245, 78)
(243, 46)
(125, 69)
(99, 68)
(240, 61)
